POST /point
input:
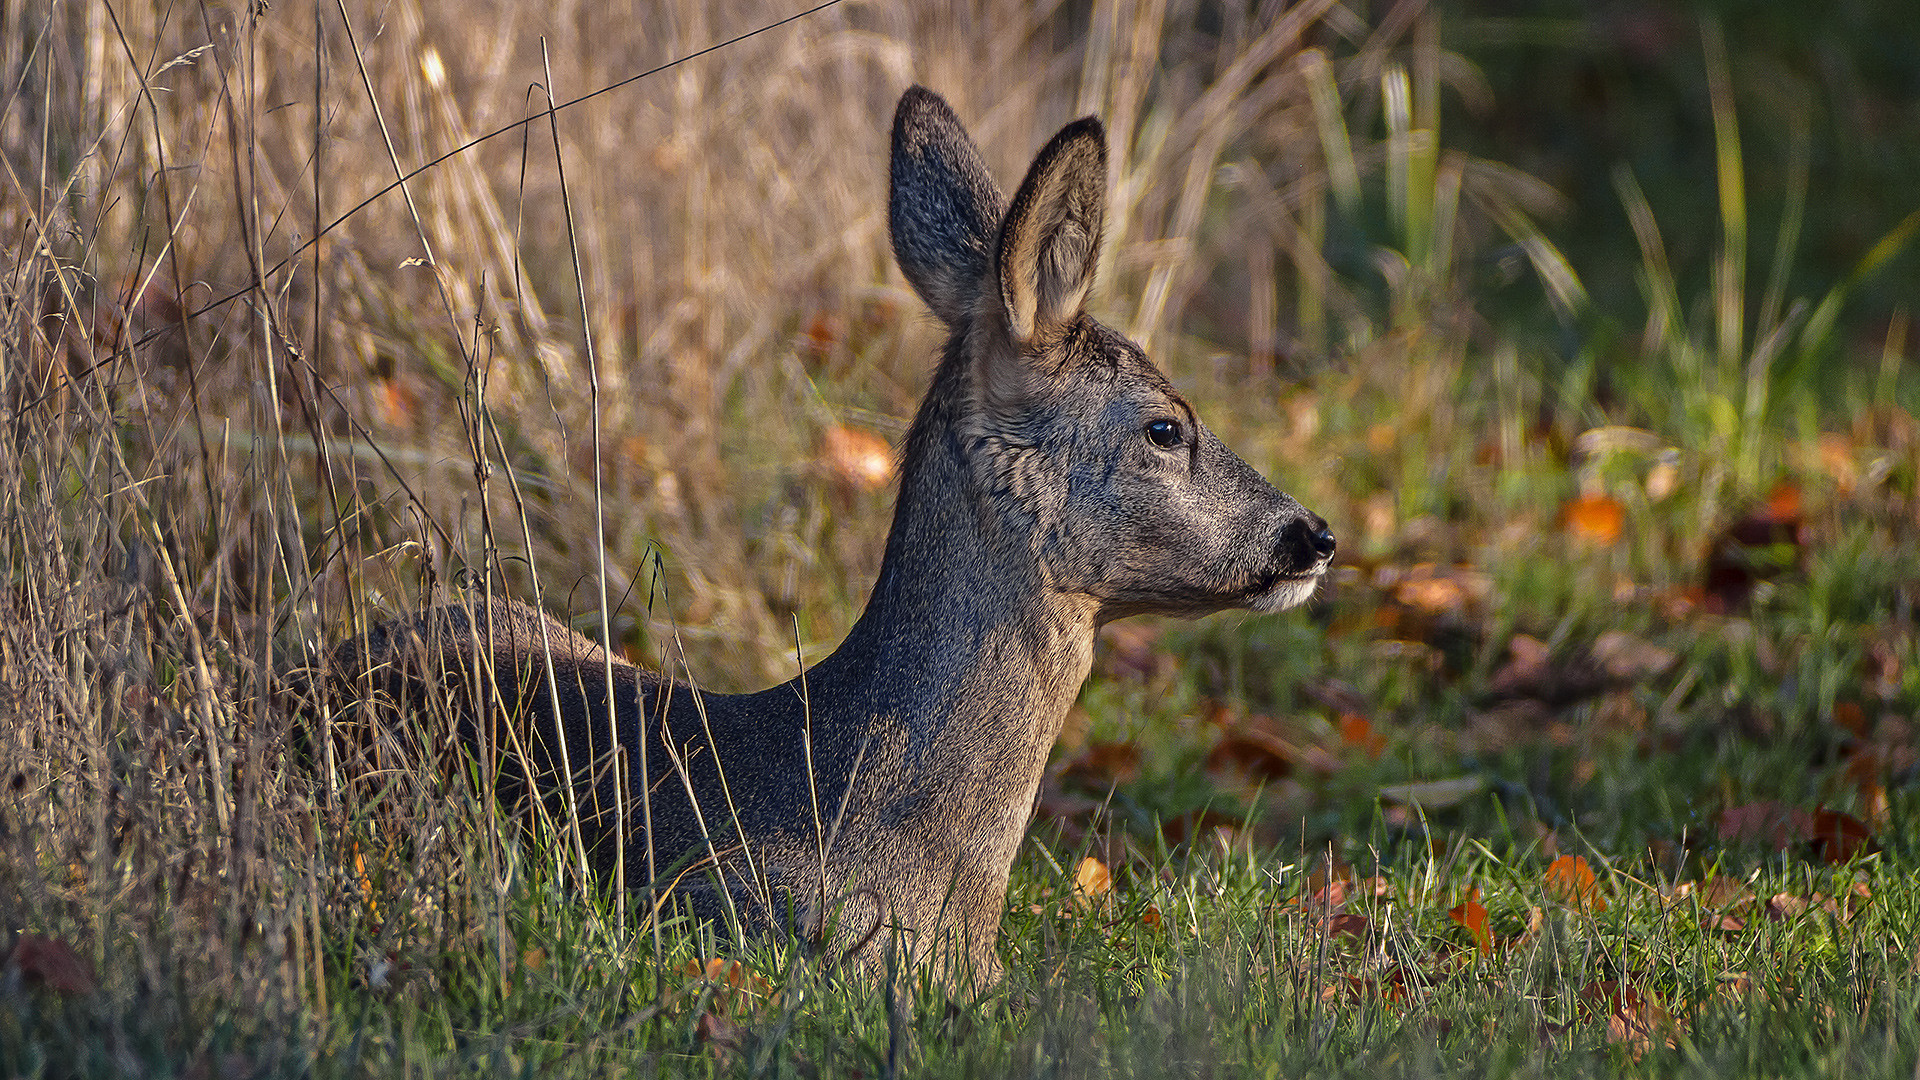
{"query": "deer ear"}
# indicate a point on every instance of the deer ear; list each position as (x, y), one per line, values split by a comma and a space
(943, 208)
(1050, 240)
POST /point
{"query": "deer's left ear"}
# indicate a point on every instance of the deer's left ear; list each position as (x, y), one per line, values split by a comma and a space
(1050, 240)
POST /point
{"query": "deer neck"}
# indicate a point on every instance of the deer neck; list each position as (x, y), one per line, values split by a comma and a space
(964, 653)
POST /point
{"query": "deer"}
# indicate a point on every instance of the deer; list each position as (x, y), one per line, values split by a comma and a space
(1052, 480)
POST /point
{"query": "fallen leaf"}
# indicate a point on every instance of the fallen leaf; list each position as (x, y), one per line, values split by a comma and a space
(1526, 667)
(1473, 916)
(1571, 881)
(1752, 549)
(1391, 988)
(1784, 906)
(1102, 765)
(1596, 519)
(1839, 838)
(1783, 502)
(1770, 823)
(723, 1036)
(1131, 651)
(1253, 755)
(1259, 753)
(1196, 823)
(1625, 658)
(397, 402)
(823, 330)
(1436, 590)
(856, 458)
(1333, 894)
(729, 975)
(1536, 922)
(1092, 881)
(1634, 1017)
(1357, 731)
(52, 963)
(1352, 924)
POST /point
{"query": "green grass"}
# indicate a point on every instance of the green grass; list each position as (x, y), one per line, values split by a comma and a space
(1238, 975)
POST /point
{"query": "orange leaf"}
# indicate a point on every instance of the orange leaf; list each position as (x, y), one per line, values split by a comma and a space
(1570, 880)
(1357, 730)
(1474, 917)
(823, 330)
(857, 458)
(1595, 518)
(1091, 881)
(397, 403)
(1783, 502)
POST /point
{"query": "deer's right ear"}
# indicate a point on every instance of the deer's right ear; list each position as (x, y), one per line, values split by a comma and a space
(943, 212)
(1050, 242)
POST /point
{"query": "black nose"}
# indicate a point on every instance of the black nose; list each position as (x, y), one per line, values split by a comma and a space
(1322, 540)
(1306, 540)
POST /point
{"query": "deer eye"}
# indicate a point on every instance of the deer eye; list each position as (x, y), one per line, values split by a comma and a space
(1165, 434)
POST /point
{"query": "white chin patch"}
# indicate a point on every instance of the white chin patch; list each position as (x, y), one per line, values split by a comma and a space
(1286, 594)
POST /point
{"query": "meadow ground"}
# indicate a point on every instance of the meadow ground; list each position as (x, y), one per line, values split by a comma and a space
(1597, 754)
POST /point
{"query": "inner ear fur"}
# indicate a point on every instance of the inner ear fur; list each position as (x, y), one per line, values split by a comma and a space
(1050, 240)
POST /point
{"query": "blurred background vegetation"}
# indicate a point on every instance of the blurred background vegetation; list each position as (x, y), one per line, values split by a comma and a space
(1587, 326)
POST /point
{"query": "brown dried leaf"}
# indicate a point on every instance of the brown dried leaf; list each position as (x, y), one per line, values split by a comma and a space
(1527, 666)
(1784, 906)
(1196, 823)
(1839, 838)
(1131, 651)
(1256, 751)
(1849, 715)
(1102, 765)
(1625, 658)
(1775, 824)
(723, 1036)
(1436, 590)
(1634, 1017)
(52, 963)
(1352, 924)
